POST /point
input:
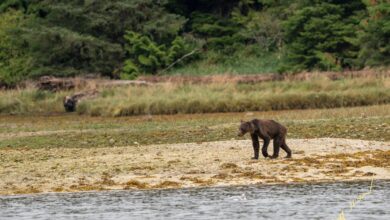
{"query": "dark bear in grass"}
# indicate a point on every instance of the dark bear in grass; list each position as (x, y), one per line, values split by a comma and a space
(266, 130)
(70, 103)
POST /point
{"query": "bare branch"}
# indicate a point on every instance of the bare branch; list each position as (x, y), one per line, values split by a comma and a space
(179, 60)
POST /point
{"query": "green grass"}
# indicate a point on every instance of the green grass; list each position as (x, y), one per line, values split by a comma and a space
(248, 61)
(369, 123)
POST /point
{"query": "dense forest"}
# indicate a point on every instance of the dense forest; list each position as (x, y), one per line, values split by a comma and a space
(126, 38)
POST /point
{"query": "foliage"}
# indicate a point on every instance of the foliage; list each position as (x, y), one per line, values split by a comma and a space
(146, 56)
(61, 52)
(264, 29)
(13, 4)
(321, 35)
(218, 32)
(67, 38)
(14, 62)
(375, 38)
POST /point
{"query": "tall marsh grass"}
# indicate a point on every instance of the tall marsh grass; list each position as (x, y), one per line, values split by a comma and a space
(171, 98)
(174, 98)
(30, 100)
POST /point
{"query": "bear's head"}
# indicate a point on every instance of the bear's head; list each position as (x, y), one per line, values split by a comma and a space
(69, 104)
(246, 126)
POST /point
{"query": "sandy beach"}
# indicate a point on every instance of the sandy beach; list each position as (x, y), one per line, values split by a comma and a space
(221, 163)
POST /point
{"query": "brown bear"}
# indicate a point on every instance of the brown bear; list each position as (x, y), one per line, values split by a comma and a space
(266, 130)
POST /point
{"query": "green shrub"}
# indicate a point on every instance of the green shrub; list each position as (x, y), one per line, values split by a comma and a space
(14, 61)
(147, 56)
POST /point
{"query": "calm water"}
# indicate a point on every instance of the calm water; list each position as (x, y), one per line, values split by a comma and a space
(319, 201)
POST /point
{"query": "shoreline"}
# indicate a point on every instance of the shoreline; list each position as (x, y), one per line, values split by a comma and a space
(207, 164)
(199, 187)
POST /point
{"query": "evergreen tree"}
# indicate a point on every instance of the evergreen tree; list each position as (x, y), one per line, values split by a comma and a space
(123, 38)
(323, 35)
(14, 60)
(67, 38)
(375, 39)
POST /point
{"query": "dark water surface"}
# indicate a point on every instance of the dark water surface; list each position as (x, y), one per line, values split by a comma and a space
(311, 201)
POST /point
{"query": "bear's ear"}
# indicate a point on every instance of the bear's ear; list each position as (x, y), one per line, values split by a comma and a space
(241, 121)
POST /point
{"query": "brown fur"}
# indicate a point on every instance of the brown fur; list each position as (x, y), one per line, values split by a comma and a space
(267, 130)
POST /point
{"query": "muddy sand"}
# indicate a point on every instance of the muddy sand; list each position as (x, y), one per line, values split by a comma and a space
(219, 163)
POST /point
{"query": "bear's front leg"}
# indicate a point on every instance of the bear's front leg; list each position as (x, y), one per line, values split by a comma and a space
(256, 146)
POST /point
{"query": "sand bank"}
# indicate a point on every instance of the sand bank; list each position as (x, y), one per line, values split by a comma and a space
(219, 163)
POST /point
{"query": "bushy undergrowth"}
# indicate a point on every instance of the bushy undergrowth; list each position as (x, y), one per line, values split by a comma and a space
(178, 98)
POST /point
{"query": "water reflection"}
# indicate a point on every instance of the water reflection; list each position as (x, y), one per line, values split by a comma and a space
(311, 201)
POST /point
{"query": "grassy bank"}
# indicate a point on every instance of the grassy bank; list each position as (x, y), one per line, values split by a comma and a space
(173, 98)
(70, 131)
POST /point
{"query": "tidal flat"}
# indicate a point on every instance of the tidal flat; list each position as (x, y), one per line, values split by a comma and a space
(68, 153)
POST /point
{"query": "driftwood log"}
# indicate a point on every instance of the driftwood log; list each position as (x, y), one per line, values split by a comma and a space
(114, 83)
(55, 84)
(70, 102)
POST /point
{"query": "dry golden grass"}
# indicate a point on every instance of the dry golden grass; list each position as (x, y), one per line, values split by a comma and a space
(173, 98)
(176, 98)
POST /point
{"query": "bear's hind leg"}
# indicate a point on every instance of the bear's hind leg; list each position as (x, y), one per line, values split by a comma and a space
(286, 148)
(277, 144)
